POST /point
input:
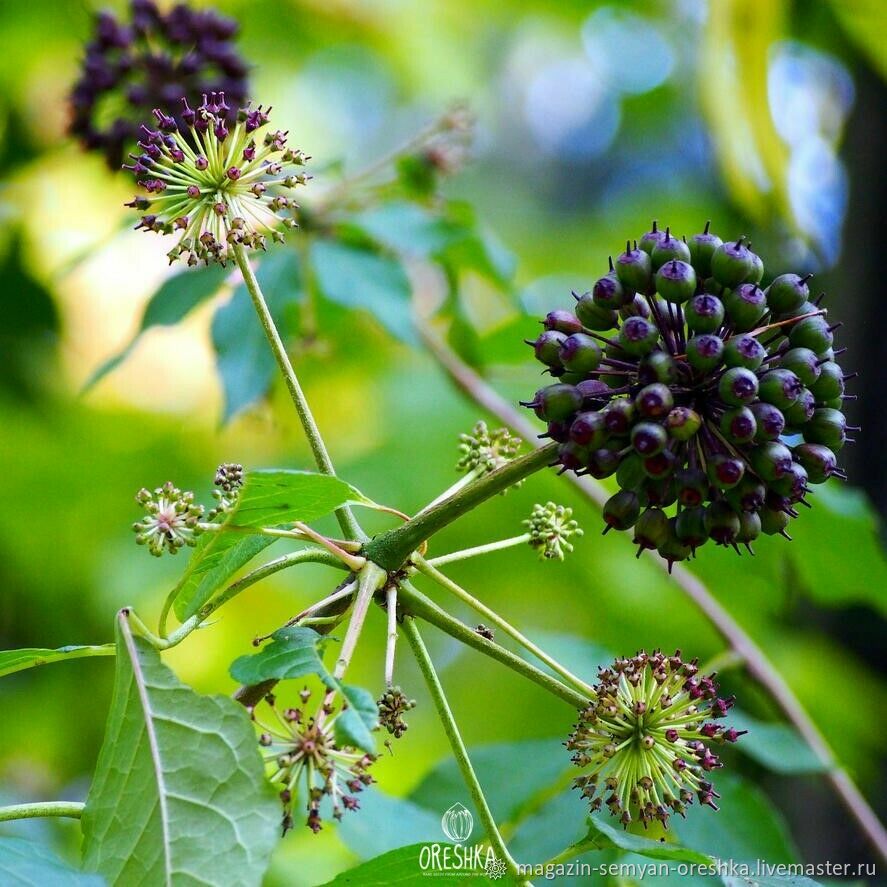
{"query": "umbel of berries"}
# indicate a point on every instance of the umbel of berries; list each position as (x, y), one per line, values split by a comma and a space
(217, 185)
(154, 60)
(643, 742)
(713, 399)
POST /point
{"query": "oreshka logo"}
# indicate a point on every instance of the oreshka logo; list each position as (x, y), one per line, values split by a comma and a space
(457, 824)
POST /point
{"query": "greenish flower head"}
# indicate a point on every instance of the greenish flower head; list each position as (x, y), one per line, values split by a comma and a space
(172, 520)
(640, 742)
(483, 451)
(228, 480)
(213, 187)
(550, 527)
(393, 705)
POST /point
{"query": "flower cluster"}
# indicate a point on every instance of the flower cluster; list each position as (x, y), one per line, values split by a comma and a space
(393, 705)
(228, 480)
(713, 395)
(482, 450)
(641, 740)
(172, 520)
(153, 61)
(305, 756)
(213, 183)
(550, 527)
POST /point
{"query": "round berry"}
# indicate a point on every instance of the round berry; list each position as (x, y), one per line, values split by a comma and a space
(819, 461)
(721, 522)
(562, 321)
(634, 269)
(739, 425)
(657, 366)
(636, 306)
(654, 401)
(579, 353)
(557, 402)
(749, 527)
(676, 281)
(738, 386)
(651, 529)
(648, 439)
(801, 411)
(661, 465)
(659, 492)
(769, 419)
(573, 456)
(787, 293)
(780, 388)
(691, 486)
(594, 393)
(621, 510)
(603, 462)
(792, 484)
(770, 461)
(630, 473)
(705, 352)
(682, 423)
(593, 316)
(731, 263)
(827, 427)
(748, 494)
(813, 333)
(649, 240)
(608, 292)
(773, 521)
(704, 313)
(589, 430)
(830, 383)
(547, 348)
(725, 471)
(618, 416)
(744, 350)
(702, 247)
(803, 363)
(745, 305)
(638, 336)
(673, 549)
(690, 527)
(668, 248)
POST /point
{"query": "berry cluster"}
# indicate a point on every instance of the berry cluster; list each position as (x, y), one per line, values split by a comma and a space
(483, 450)
(714, 395)
(215, 186)
(305, 755)
(641, 738)
(172, 520)
(393, 705)
(229, 480)
(550, 527)
(154, 61)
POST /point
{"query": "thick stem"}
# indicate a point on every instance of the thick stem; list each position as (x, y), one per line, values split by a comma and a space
(492, 616)
(415, 603)
(460, 753)
(392, 549)
(71, 809)
(490, 547)
(757, 663)
(346, 519)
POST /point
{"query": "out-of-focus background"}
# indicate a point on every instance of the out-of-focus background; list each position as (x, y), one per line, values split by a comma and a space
(592, 118)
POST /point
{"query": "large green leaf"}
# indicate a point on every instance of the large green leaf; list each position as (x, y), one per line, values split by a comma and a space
(605, 835)
(778, 747)
(28, 864)
(355, 724)
(293, 653)
(177, 297)
(29, 657)
(244, 360)
(269, 497)
(361, 278)
(179, 794)
(399, 866)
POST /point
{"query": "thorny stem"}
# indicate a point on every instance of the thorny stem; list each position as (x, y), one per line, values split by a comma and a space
(70, 809)
(460, 753)
(759, 667)
(370, 580)
(490, 547)
(414, 603)
(346, 519)
(426, 568)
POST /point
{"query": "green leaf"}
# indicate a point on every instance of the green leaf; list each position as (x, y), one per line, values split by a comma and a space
(177, 297)
(841, 520)
(28, 864)
(778, 747)
(293, 653)
(496, 766)
(355, 723)
(269, 497)
(360, 278)
(201, 586)
(755, 880)
(482, 252)
(245, 362)
(401, 866)
(179, 795)
(603, 835)
(408, 228)
(29, 657)
(580, 656)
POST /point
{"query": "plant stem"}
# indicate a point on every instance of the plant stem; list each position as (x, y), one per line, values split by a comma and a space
(466, 553)
(346, 519)
(370, 580)
(392, 549)
(391, 641)
(71, 809)
(431, 572)
(460, 753)
(417, 604)
(759, 667)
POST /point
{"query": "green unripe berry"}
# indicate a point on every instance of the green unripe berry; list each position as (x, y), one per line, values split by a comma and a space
(738, 386)
(638, 336)
(630, 473)
(705, 352)
(654, 401)
(812, 333)
(562, 321)
(691, 486)
(787, 293)
(621, 510)
(547, 348)
(748, 495)
(801, 411)
(744, 350)
(704, 313)
(757, 269)
(780, 388)
(793, 484)
(770, 421)
(661, 465)
(673, 549)
(745, 305)
(830, 383)
(739, 425)
(690, 528)
(634, 269)
(618, 416)
(676, 281)
(749, 527)
(773, 521)
(580, 353)
(593, 316)
(588, 429)
(682, 423)
(722, 522)
(835, 403)
(827, 427)
(648, 438)
(732, 263)
(803, 363)
(702, 247)
(557, 402)
(657, 366)
(770, 461)
(668, 248)
(651, 238)
(608, 292)
(819, 461)
(651, 529)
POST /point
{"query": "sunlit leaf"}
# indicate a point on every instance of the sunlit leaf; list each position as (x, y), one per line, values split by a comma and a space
(401, 866)
(293, 652)
(355, 724)
(28, 864)
(604, 834)
(778, 747)
(179, 794)
(29, 657)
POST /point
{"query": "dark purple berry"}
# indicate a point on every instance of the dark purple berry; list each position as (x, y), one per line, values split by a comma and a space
(589, 430)
(691, 486)
(819, 461)
(648, 439)
(594, 393)
(618, 416)
(603, 462)
(792, 484)
(725, 471)
(661, 465)
(573, 456)
(654, 401)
